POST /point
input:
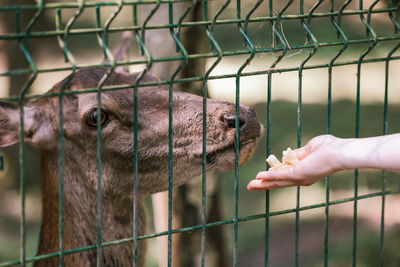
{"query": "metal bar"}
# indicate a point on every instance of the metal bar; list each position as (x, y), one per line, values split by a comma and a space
(267, 152)
(135, 131)
(193, 79)
(236, 170)
(341, 10)
(342, 35)
(88, 4)
(197, 23)
(275, 32)
(68, 56)
(357, 129)
(170, 140)
(309, 35)
(268, 143)
(146, 21)
(226, 53)
(237, 138)
(103, 44)
(216, 46)
(299, 100)
(23, 45)
(182, 17)
(135, 136)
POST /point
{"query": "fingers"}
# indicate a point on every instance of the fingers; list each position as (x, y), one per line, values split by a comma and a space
(290, 176)
(273, 179)
(264, 175)
(265, 184)
(287, 173)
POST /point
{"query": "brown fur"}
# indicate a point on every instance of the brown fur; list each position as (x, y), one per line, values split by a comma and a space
(80, 152)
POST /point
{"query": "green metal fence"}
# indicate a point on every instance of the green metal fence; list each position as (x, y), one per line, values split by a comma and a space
(277, 31)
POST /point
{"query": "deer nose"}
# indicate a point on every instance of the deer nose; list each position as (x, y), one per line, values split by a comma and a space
(230, 120)
(249, 125)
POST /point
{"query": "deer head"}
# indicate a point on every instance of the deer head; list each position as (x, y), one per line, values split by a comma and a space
(41, 129)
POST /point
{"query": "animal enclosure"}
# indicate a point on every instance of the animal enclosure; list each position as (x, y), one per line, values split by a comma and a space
(307, 68)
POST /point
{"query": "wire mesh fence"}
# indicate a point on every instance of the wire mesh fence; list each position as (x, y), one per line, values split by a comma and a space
(308, 67)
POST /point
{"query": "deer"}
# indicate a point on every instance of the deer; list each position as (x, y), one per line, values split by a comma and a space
(80, 125)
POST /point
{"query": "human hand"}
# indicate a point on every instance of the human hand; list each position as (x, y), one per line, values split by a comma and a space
(318, 159)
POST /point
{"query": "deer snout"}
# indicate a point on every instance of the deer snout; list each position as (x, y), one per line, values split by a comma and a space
(230, 120)
(249, 126)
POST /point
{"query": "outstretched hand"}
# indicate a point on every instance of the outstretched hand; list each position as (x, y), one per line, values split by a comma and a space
(317, 160)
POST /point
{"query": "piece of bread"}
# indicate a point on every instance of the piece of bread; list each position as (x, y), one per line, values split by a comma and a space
(288, 158)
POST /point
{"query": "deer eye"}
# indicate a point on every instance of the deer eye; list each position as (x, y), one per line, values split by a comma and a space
(91, 118)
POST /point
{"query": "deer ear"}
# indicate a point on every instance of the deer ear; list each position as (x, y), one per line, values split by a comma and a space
(37, 132)
(9, 124)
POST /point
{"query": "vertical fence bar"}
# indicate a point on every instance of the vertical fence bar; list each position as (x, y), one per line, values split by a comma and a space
(22, 185)
(383, 180)
(135, 174)
(23, 45)
(61, 152)
(135, 140)
(170, 172)
(328, 131)
(170, 126)
(309, 35)
(267, 152)
(236, 185)
(268, 141)
(98, 159)
(236, 170)
(145, 51)
(203, 163)
(99, 174)
(357, 124)
(103, 44)
(249, 44)
(216, 46)
(21, 160)
(340, 34)
(299, 96)
(213, 45)
(135, 150)
(299, 100)
(275, 25)
(68, 57)
(204, 148)
(356, 134)
(170, 151)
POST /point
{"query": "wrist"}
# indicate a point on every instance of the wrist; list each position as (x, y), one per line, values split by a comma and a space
(357, 153)
(341, 154)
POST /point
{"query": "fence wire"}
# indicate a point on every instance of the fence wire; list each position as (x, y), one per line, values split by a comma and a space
(245, 16)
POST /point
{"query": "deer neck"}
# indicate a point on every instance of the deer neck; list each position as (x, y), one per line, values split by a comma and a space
(80, 217)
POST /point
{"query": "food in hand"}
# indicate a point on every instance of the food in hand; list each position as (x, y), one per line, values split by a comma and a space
(288, 158)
